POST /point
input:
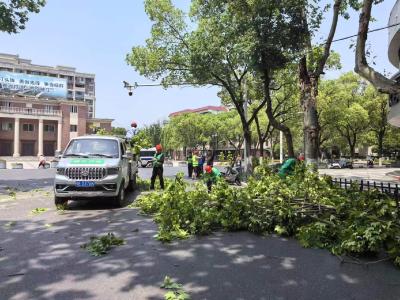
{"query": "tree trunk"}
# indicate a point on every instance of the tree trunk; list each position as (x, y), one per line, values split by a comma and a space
(379, 81)
(247, 137)
(272, 148)
(352, 150)
(261, 148)
(260, 137)
(308, 99)
(380, 144)
(289, 142)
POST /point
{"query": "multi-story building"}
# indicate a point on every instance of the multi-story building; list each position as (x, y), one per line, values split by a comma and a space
(42, 107)
(80, 87)
(394, 58)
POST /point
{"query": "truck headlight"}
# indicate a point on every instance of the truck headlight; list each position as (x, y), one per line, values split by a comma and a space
(113, 171)
(60, 171)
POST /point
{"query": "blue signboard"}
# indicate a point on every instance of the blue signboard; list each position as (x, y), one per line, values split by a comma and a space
(32, 85)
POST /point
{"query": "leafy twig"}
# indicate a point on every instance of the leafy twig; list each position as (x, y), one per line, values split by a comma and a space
(101, 245)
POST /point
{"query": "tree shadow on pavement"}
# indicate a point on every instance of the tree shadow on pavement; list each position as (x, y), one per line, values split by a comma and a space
(46, 262)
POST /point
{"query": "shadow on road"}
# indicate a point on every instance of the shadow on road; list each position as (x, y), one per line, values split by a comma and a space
(41, 262)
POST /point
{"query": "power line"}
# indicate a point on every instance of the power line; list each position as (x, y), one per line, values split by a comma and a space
(373, 30)
(131, 87)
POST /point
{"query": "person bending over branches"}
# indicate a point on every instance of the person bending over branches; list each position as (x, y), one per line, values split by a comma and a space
(212, 175)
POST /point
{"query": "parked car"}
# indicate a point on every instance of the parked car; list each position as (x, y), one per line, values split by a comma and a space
(346, 163)
(93, 167)
(340, 164)
(146, 157)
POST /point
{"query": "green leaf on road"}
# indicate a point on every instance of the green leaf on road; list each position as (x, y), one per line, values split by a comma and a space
(101, 245)
(10, 224)
(61, 208)
(169, 284)
(39, 210)
(176, 290)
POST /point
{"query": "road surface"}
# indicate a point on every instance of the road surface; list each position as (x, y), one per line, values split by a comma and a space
(41, 257)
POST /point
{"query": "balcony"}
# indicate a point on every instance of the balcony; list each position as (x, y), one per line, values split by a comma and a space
(30, 111)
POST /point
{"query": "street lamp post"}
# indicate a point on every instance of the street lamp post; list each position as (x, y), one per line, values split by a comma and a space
(135, 85)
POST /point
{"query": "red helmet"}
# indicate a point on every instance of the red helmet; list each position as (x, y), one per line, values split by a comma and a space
(158, 147)
(208, 169)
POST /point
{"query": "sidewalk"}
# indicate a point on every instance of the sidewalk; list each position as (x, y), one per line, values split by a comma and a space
(28, 162)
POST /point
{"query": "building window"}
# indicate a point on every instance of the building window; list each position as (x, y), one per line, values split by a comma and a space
(73, 109)
(73, 128)
(5, 103)
(79, 96)
(6, 126)
(28, 127)
(49, 128)
(49, 108)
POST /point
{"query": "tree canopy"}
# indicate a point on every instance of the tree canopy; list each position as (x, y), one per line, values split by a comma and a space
(15, 13)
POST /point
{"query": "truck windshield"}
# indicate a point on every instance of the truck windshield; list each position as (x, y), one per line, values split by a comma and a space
(147, 153)
(93, 147)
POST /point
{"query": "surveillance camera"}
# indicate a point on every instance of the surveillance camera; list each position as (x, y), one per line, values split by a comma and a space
(130, 93)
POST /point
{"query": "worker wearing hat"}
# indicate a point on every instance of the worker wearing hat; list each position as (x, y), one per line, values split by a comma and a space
(212, 176)
(158, 167)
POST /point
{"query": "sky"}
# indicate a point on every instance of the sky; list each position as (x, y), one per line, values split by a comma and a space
(94, 37)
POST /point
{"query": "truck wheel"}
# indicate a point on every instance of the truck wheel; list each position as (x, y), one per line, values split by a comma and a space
(132, 183)
(60, 202)
(119, 200)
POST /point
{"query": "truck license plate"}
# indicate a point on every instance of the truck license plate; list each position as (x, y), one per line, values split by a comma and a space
(84, 184)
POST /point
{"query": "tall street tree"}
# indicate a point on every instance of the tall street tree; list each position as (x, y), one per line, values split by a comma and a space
(209, 49)
(311, 66)
(277, 32)
(348, 111)
(377, 106)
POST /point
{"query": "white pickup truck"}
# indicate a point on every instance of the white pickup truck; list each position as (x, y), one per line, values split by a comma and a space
(95, 166)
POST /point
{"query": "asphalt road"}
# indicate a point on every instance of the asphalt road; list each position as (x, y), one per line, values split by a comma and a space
(25, 180)
(41, 258)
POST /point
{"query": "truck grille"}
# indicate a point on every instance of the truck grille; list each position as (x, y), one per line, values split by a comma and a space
(85, 173)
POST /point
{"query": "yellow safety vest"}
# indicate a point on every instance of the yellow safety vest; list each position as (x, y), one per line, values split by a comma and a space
(195, 161)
